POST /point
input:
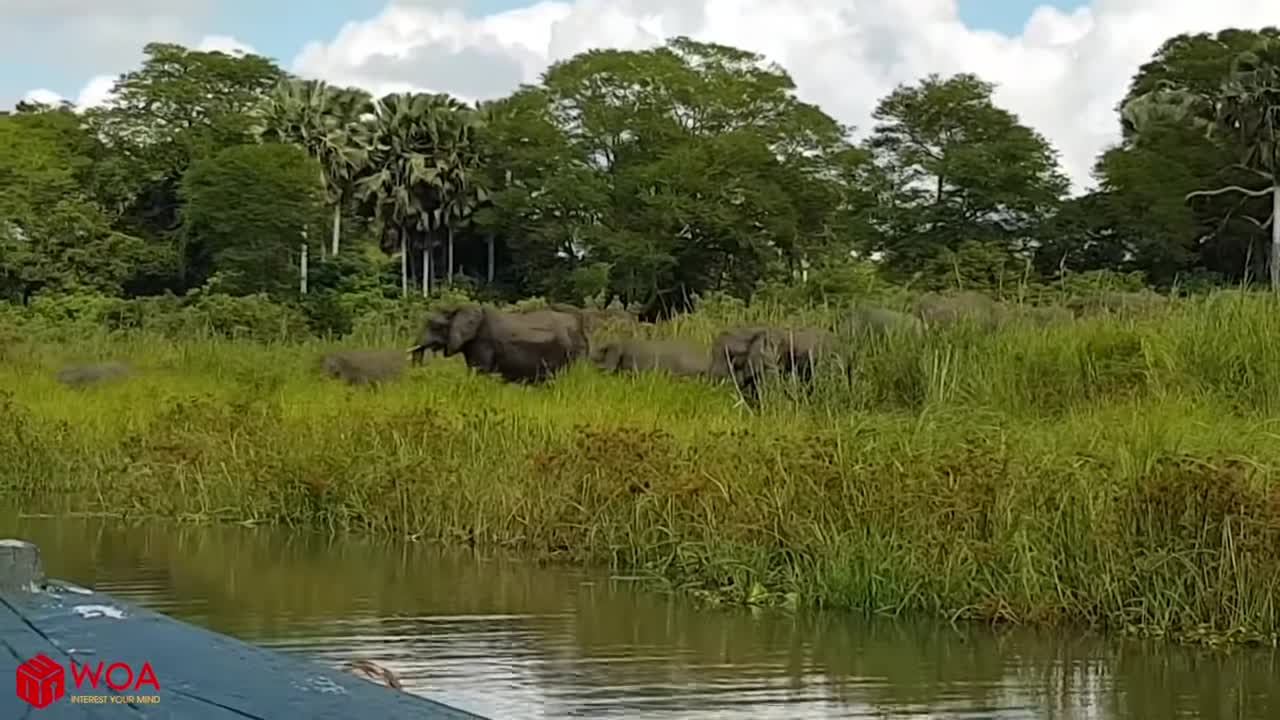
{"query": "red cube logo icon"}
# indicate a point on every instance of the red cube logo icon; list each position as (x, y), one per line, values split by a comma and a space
(40, 681)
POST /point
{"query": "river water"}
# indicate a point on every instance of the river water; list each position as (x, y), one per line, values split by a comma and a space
(510, 639)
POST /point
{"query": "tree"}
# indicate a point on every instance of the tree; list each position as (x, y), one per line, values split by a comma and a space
(458, 182)
(52, 237)
(1086, 234)
(546, 196)
(1249, 118)
(420, 161)
(231, 234)
(68, 246)
(1242, 117)
(35, 167)
(648, 128)
(1149, 173)
(323, 121)
(959, 169)
(180, 106)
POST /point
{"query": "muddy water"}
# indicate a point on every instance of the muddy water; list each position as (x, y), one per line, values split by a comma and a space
(508, 639)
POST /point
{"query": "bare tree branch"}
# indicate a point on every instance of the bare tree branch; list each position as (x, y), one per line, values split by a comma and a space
(1263, 225)
(1255, 171)
(1222, 225)
(1230, 188)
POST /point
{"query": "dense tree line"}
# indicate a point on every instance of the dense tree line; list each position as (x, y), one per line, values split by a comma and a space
(650, 177)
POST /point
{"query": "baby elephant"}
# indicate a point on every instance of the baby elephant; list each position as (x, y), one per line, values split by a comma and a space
(747, 354)
(92, 373)
(364, 367)
(674, 356)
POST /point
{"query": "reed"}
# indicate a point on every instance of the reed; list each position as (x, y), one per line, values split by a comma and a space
(1113, 472)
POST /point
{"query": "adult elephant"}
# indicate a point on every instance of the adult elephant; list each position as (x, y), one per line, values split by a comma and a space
(1047, 315)
(636, 355)
(1126, 304)
(877, 322)
(594, 319)
(966, 307)
(747, 354)
(526, 347)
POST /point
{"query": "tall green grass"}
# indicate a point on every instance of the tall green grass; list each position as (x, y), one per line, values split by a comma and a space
(1113, 472)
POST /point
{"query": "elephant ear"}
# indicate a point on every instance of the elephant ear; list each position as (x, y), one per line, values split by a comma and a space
(463, 328)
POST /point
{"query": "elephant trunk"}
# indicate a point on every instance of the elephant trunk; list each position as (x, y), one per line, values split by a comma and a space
(417, 352)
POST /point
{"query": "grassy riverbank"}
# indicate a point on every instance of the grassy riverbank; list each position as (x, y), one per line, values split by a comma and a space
(1108, 472)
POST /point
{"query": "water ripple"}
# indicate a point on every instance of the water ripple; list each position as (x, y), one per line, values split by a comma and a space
(516, 640)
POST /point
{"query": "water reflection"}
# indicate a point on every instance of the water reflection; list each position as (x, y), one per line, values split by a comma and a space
(509, 639)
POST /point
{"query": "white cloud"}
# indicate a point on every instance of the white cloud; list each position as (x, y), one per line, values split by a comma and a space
(87, 37)
(224, 43)
(44, 96)
(1063, 74)
(98, 90)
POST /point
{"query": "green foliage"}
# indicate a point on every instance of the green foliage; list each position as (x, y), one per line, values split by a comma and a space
(421, 177)
(37, 168)
(247, 210)
(69, 247)
(963, 171)
(650, 177)
(685, 168)
(834, 282)
(184, 104)
(72, 317)
(52, 237)
(1200, 118)
(320, 119)
(180, 106)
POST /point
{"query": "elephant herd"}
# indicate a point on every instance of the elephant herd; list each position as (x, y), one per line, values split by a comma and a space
(531, 346)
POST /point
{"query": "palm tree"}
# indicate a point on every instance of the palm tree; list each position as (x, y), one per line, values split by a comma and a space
(491, 113)
(417, 175)
(458, 182)
(324, 121)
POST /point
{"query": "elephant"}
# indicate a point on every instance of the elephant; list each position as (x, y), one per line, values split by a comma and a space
(937, 310)
(92, 373)
(1046, 315)
(1124, 304)
(746, 354)
(527, 347)
(593, 318)
(878, 322)
(676, 357)
(363, 367)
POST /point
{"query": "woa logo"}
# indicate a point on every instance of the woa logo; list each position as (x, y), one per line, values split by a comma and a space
(41, 681)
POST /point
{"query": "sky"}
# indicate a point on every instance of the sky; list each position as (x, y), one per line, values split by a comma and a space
(1060, 65)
